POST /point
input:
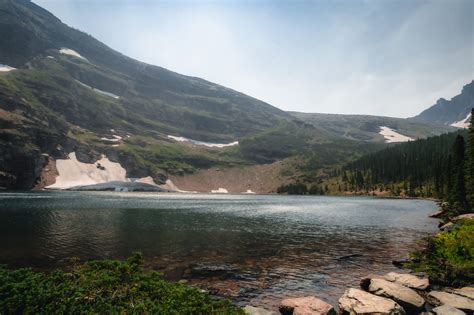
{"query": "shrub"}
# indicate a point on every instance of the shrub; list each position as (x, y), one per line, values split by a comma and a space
(105, 286)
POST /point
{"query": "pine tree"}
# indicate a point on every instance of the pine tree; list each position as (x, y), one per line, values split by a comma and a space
(458, 193)
(469, 164)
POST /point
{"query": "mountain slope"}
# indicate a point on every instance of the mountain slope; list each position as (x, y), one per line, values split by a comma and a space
(453, 112)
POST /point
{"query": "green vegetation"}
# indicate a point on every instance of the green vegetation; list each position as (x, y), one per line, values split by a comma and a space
(449, 256)
(103, 287)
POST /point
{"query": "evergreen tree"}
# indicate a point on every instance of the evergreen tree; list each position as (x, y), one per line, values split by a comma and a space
(458, 193)
(470, 164)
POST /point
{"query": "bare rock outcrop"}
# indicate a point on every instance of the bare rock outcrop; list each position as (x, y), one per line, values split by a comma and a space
(355, 301)
(408, 280)
(406, 297)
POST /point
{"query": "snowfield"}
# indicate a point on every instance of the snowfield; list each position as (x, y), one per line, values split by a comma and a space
(98, 91)
(207, 144)
(70, 52)
(73, 173)
(5, 68)
(464, 123)
(392, 136)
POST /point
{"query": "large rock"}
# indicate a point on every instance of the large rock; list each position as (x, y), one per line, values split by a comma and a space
(447, 310)
(406, 297)
(466, 292)
(408, 280)
(463, 216)
(251, 310)
(355, 301)
(454, 300)
(308, 305)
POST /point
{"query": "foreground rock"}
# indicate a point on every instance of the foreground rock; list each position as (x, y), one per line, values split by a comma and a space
(406, 297)
(355, 301)
(251, 310)
(308, 305)
(466, 292)
(408, 280)
(447, 310)
(453, 300)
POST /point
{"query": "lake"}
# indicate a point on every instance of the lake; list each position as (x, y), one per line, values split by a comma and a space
(254, 249)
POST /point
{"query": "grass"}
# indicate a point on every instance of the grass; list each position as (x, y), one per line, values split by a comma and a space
(103, 287)
(449, 257)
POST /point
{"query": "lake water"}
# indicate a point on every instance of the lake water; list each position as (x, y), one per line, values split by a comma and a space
(254, 249)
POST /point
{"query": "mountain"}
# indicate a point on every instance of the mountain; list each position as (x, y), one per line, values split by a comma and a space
(454, 112)
(67, 98)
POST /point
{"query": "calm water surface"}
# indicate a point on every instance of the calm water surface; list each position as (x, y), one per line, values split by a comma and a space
(253, 249)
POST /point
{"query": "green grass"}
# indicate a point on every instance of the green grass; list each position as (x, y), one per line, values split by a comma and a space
(103, 287)
(449, 257)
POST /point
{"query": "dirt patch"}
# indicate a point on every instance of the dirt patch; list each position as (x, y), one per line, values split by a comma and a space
(258, 179)
(48, 175)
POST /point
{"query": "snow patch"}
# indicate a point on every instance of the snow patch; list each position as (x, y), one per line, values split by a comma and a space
(207, 144)
(5, 68)
(50, 57)
(219, 191)
(115, 138)
(98, 91)
(70, 52)
(464, 123)
(249, 192)
(392, 136)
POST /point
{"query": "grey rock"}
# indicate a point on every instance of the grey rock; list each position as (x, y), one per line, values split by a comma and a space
(355, 301)
(457, 301)
(308, 305)
(406, 297)
(408, 280)
(447, 310)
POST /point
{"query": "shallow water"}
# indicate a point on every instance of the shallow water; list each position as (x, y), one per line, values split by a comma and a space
(254, 249)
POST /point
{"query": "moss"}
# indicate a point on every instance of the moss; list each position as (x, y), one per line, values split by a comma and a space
(105, 286)
(449, 257)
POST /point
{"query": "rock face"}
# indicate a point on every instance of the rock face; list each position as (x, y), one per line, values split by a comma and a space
(408, 280)
(355, 301)
(447, 310)
(308, 305)
(406, 297)
(454, 300)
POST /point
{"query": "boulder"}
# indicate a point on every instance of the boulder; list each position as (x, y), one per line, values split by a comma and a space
(466, 292)
(406, 297)
(437, 214)
(408, 280)
(308, 305)
(355, 301)
(251, 310)
(457, 301)
(447, 227)
(463, 216)
(447, 310)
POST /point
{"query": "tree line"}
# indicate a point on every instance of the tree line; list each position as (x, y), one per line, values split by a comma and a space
(440, 167)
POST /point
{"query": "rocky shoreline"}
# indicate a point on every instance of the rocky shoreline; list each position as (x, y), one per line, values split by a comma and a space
(391, 294)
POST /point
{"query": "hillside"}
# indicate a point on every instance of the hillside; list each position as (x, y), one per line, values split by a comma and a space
(454, 112)
(62, 92)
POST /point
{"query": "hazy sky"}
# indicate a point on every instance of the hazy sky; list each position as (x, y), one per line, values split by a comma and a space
(377, 57)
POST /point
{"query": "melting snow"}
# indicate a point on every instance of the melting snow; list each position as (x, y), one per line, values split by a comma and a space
(249, 192)
(391, 135)
(5, 68)
(220, 191)
(207, 144)
(70, 52)
(464, 123)
(98, 91)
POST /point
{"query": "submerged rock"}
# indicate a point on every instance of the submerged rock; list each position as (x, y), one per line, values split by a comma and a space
(308, 305)
(406, 297)
(251, 310)
(447, 310)
(408, 280)
(355, 301)
(457, 301)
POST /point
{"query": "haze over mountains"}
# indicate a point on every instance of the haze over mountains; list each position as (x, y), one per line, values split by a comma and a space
(63, 92)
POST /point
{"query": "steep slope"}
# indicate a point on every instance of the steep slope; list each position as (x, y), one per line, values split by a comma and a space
(63, 91)
(452, 112)
(372, 128)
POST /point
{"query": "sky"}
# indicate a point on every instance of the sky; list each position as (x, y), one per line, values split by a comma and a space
(377, 57)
